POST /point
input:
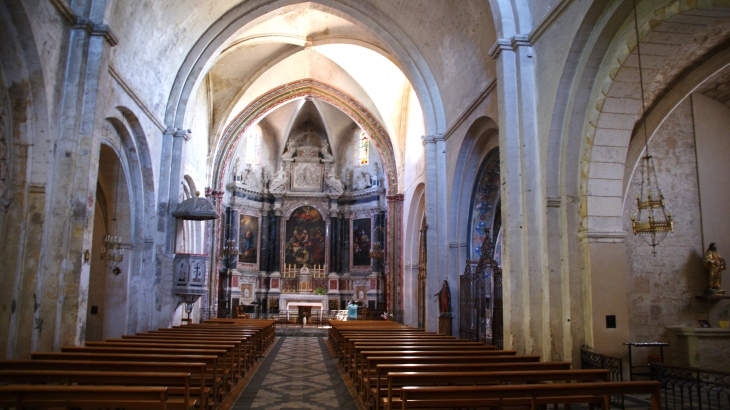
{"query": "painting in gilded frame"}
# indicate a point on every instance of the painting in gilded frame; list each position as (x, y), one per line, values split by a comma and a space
(249, 239)
(305, 238)
(361, 231)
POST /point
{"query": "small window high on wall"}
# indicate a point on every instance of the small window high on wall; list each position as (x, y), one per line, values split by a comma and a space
(364, 149)
(253, 145)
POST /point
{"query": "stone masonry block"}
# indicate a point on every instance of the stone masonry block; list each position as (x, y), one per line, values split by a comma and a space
(606, 170)
(608, 154)
(605, 187)
(622, 105)
(605, 205)
(616, 121)
(611, 137)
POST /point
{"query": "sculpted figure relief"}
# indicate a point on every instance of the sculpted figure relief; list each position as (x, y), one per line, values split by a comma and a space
(325, 150)
(715, 264)
(291, 148)
(361, 181)
(333, 184)
(278, 183)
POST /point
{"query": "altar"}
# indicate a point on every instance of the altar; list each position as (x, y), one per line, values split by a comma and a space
(293, 301)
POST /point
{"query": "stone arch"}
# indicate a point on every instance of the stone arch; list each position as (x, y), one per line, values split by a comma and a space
(481, 137)
(299, 90)
(405, 53)
(416, 214)
(617, 117)
(108, 295)
(137, 163)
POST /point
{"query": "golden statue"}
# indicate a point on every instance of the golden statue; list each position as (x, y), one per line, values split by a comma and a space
(715, 265)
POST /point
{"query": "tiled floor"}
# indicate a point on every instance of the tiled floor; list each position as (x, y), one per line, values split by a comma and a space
(298, 373)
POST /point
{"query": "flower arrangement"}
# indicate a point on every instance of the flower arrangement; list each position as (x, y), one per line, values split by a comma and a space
(386, 316)
(319, 290)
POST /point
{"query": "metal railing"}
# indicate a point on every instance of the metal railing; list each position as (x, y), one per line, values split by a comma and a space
(692, 388)
(591, 360)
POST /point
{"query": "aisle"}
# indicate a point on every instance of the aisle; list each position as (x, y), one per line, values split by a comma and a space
(298, 373)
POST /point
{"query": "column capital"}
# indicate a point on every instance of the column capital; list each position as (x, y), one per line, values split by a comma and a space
(185, 134)
(432, 139)
(394, 198)
(509, 44)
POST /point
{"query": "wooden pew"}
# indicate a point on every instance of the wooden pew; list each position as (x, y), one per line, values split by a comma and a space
(376, 383)
(239, 355)
(249, 355)
(211, 377)
(371, 361)
(397, 380)
(41, 396)
(223, 366)
(178, 384)
(360, 353)
(525, 395)
(194, 369)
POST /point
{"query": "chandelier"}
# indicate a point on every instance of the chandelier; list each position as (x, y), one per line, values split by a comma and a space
(653, 221)
(112, 252)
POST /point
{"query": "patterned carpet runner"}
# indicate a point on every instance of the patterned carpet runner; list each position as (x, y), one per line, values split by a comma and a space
(298, 373)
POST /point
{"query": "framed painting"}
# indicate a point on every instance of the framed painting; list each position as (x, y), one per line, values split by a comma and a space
(305, 238)
(361, 232)
(249, 239)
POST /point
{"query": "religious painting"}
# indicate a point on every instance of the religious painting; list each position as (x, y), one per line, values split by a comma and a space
(361, 292)
(361, 242)
(248, 240)
(305, 238)
(247, 291)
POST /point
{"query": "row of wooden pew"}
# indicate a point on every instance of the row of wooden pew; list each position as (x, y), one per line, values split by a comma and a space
(392, 366)
(186, 367)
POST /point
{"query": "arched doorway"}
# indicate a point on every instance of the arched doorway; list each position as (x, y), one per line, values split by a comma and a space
(107, 303)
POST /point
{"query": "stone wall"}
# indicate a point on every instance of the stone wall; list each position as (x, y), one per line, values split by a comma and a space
(662, 289)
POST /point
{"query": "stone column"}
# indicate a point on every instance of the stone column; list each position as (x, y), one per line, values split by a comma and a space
(335, 253)
(436, 236)
(526, 280)
(393, 255)
(59, 311)
(276, 243)
(264, 265)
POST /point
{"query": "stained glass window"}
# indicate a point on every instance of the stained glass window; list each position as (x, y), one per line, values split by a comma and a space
(485, 214)
(364, 149)
(253, 145)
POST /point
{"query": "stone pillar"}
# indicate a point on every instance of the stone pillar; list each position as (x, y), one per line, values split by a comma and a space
(393, 255)
(526, 281)
(59, 312)
(276, 243)
(335, 253)
(264, 265)
(436, 215)
(345, 244)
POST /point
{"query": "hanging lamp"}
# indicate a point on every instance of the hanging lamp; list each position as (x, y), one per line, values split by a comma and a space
(112, 252)
(653, 221)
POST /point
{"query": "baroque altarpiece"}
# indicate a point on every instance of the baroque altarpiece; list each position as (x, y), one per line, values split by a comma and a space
(305, 232)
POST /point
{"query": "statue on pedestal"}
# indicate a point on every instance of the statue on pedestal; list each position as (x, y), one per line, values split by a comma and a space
(715, 264)
(444, 299)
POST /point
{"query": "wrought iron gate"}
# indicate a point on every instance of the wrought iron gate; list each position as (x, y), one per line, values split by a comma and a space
(480, 298)
(421, 287)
